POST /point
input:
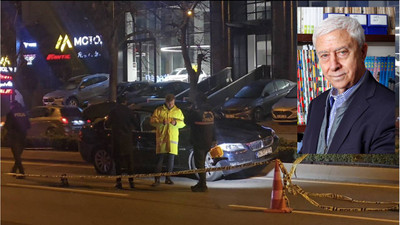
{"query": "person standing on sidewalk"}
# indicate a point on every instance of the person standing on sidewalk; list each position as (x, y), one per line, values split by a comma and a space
(122, 121)
(17, 124)
(202, 136)
(167, 119)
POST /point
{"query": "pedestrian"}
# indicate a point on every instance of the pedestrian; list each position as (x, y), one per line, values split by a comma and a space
(357, 115)
(17, 124)
(200, 118)
(122, 121)
(167, 119)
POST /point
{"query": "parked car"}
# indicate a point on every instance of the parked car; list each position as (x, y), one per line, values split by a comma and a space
(181, 74)
(78, 90)
(285, 110)
(254, 101)
(242, 142)
(51, 121)
(158, 91)
(130, 89)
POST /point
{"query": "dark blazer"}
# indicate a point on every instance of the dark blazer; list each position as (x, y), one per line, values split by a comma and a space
(368, 125)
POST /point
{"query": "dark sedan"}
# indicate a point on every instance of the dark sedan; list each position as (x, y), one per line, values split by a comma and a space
(255, 100)
(242, 142)
(158, 91)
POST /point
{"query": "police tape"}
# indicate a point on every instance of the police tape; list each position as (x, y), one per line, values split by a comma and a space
(176, 173)
(295, 189)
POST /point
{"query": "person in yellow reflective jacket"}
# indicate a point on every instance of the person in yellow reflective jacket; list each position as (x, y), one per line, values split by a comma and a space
(167, 119)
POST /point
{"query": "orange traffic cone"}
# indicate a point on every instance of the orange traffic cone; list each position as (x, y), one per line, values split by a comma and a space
(278, 204)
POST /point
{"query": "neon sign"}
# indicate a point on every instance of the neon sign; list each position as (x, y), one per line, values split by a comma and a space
(8, 69)
(6, 91)
(57, 57)
(30, 44)
(87, 40)
(62, 42)
(4, 61)
(6, 85)
(29, 58)
(82, 55)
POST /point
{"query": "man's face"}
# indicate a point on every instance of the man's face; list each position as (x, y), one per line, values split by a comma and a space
(341, 60)
(170, 104)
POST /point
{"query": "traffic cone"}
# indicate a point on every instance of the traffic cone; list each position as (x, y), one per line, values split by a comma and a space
(278, 204)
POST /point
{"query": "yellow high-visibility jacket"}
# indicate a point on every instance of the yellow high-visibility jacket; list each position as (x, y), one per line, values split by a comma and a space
(167, 136)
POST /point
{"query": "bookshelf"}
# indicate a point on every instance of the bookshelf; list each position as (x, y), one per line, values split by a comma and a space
(303, 39)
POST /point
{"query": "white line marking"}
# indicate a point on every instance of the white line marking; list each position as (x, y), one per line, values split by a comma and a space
(336, 183)
(67, 190)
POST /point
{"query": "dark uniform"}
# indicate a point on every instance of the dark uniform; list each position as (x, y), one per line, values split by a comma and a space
(122, 121)
(202, 136)
(17, 123)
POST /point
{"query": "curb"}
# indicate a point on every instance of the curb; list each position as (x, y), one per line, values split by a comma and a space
(354, 174)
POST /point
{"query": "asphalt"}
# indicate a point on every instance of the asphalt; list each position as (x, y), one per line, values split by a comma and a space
(338, 173)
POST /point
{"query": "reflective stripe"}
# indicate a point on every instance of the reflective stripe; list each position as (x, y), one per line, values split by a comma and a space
(204, 123)
(174, 142)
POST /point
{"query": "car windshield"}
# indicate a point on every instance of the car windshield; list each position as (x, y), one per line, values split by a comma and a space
(251, 91)
(292, 93)
(176, 71)
(70, 111)
(72, 83)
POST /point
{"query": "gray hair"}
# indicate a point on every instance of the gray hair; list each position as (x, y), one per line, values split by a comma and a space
(350, 24)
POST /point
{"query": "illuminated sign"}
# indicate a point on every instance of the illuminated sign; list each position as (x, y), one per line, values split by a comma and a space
(82, 55)
(87, 40)
(6, 91)
(62, 42)
(6, 85)
(29, 58)
(4, 61)
(30, 44)
(8, 69)
(57, 57)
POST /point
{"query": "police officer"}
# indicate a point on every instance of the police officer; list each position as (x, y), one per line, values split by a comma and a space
(122, 121)
(167, 119)
(17, 123)
(201, 120)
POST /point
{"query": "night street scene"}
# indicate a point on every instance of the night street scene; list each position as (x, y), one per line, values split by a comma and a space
(184, 112)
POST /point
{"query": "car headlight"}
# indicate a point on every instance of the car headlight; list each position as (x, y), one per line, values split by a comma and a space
(231, 147)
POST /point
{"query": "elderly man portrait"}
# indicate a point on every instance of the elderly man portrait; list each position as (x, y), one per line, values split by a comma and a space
(357, 115)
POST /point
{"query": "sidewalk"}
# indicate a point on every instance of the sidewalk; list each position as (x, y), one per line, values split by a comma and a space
(354, 174)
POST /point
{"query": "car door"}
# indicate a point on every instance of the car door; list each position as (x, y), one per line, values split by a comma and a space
(145, 142)
(43, 121)
(269, 96)
(91, 87)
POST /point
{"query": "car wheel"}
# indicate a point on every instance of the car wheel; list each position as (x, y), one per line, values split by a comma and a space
(102, 161)
(210, 176)
(258, 114)
(72, 101)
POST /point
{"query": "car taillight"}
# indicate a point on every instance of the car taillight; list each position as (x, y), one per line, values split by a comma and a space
(64, 120)
(88, 121)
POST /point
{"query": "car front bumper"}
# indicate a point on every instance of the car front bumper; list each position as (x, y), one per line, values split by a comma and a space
(248, 155)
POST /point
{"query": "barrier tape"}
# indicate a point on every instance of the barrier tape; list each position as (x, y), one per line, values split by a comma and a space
(295, 189)
(176, 173)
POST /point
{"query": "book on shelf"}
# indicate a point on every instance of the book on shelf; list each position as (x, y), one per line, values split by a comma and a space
(309, 17)
(311, 82)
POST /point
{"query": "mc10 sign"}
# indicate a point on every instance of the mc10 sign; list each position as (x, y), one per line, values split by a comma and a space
(87, 40)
